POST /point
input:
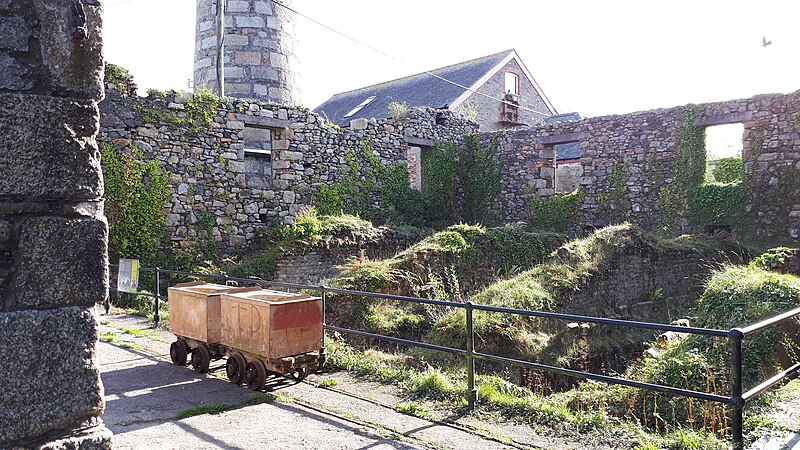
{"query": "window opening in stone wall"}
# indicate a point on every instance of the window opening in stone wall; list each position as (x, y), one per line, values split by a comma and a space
(257, 156)
(512, 83)
(360, 105)
(569, 169)
(724, 147)
(257, 141)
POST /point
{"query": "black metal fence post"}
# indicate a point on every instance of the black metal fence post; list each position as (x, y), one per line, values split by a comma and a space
(472, 393)
(322, 355)
(107, 303)
(737, 402)
(156, 311)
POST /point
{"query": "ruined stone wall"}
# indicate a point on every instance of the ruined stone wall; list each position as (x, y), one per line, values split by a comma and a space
(317, 264)
(627, 159)
(220, 190)
(53, 259)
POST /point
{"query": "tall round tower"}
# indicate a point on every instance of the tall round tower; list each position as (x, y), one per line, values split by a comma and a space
(257, 46)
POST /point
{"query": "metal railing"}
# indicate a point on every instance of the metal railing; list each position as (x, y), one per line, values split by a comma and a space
(737, 399)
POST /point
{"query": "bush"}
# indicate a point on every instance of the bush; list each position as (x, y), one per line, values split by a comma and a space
(135, 194)
(739, 296)
(556, 213)
(729, 170)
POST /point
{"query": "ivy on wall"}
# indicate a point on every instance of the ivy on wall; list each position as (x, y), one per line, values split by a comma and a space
(689, 169)
(729, 170)
(479, 178)
(120, 79)
(135, 194)
(366, 184)
(556, 213)
(199, 109)
(613, 202)
(717, 204)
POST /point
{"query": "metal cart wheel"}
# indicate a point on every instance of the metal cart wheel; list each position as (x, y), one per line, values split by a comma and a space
(178, 352)
(200, 359)
(235, 368)
(300, 374)
(255, 375)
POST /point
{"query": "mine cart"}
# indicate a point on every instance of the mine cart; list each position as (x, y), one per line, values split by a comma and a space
(260, 331)
(270, 331)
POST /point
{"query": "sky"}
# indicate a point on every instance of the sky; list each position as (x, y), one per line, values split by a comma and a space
(594, 57)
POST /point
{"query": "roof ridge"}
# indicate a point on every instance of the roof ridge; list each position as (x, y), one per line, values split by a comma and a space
(505, 52)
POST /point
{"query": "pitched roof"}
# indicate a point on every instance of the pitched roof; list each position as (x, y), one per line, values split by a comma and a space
(417, 90)
(562, 118)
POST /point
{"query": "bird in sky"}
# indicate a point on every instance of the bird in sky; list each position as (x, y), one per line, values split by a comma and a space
(765, 42)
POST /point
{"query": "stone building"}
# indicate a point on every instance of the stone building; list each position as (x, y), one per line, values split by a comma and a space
(258, 49)
(501, 94)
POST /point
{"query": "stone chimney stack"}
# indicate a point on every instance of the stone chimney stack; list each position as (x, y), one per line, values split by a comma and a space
(258, 49)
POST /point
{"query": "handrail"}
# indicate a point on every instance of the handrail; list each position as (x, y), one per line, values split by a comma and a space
(736, 400)
(771, 321)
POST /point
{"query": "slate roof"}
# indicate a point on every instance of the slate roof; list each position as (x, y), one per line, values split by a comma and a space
(420, 90)
(568, 151)
(562, 118)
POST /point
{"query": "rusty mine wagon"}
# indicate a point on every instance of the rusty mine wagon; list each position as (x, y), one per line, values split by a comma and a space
(260, 331)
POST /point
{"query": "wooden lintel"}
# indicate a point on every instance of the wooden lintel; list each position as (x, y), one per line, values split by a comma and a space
(263, 122)
(559, 138)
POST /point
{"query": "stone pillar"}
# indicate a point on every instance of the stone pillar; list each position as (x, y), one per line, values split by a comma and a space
(53, 235)
(258, 50)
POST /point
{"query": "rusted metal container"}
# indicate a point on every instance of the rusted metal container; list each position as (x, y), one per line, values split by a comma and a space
(271, 324)
(194, 310)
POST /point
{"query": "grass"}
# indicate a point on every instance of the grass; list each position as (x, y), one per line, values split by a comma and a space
(142, 305)
(259, 399)
(222, 407)
(204, 409)
(328, 383)
(581, 413)
(112, 338)
(142, 333)
(412, 409)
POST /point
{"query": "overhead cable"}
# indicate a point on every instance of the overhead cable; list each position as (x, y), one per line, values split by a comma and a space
(363, 44)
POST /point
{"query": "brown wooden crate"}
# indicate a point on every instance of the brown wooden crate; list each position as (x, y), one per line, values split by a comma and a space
(271, 324)
(194, 310)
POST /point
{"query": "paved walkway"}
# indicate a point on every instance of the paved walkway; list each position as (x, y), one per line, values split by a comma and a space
(144, 393)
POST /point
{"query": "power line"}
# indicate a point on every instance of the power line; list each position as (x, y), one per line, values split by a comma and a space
(119, 3)
(404, 62)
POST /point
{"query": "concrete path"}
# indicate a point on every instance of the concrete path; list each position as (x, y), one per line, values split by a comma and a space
(144, 393)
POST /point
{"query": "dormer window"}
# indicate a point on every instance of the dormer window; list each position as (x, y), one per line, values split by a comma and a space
(360, 105)
(512, 83)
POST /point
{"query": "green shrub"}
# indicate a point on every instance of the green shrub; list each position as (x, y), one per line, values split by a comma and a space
(739, 296)
(729, 170)
(558, 212)
(479, 178)
(120, 78)
(772, 258)
(135, 195)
